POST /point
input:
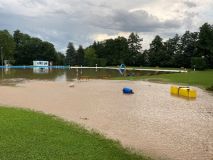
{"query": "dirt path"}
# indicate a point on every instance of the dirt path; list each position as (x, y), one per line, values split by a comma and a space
(151, 120)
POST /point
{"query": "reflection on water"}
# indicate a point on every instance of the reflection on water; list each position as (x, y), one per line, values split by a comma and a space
(40, 70)
(66, 74)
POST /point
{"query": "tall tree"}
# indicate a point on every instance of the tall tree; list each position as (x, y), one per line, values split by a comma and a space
(135, 47)
(71, 56)
(205, 43)
(48, 52)
(172, 49)
(7, 45)
(60, 58)
(121, 53)
(188, 48)
(157, 52)
(80, 56)
(90, 56)
(30, 48)
(21, 41)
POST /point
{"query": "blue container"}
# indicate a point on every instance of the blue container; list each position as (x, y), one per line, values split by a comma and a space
(127, 91)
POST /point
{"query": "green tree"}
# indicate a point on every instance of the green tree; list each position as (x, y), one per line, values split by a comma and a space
(90, 56)
(29, 49)
(157, 52)
(121, 53)
(111, 51)
(108, 51)
(48, 52)
(21, 41)
(80, 56)
(71, 55)
(100, 49)
(7, 45)
(140, 59)
(188, 48)
(172, 49)
(135, 47)
(205, 43)
(60, 59)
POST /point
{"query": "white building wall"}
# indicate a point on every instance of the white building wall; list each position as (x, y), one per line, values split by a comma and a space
(40, 63)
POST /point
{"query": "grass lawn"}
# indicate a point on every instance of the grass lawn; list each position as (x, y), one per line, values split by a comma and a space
(27, 135)
(164, 68)
(203, 79)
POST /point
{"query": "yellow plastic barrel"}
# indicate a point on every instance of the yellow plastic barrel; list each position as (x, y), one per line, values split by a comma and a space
(192, 93)
(174, 90)
(183, 91)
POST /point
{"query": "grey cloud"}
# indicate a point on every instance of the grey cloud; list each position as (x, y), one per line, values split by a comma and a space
(189, 18)
(190, 4)
(61, 21)
(33, 3)
(138, 21)
(56, 29)
(59, 12)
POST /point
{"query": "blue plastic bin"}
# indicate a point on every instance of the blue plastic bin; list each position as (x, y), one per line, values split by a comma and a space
(127, 90)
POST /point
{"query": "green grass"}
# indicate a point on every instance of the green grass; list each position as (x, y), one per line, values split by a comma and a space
(203, 79)
(164, 68)
(27, 135)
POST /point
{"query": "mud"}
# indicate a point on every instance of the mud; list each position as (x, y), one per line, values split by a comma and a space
(151, 120)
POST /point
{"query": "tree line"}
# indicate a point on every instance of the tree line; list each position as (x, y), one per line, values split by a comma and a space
(22, 49)
(192, 49)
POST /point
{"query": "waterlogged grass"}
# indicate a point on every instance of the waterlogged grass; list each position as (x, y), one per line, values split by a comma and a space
(202, 79)
(30, 135)
(165, 68)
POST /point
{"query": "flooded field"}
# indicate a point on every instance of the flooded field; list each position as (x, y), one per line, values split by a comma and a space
(15, 75)
(151, 120)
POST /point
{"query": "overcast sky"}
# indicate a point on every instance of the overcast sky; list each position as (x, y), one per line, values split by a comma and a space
(83, 21)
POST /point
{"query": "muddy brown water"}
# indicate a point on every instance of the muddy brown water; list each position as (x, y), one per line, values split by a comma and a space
(67, 74)
(151, 120)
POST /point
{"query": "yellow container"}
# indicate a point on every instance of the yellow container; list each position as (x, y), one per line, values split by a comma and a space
(187, 92)
(174, 90)
(183, 91)
(192, 93)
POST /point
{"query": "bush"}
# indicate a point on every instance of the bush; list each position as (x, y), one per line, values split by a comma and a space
(198, 63)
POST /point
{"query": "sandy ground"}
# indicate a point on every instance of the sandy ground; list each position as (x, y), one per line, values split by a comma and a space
(151, 120)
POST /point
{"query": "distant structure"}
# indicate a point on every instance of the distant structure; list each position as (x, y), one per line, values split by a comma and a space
(40, 67)
(41, 63)
(7, 63)
(122, 69)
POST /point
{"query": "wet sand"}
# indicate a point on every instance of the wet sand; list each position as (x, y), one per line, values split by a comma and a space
(151, 120)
